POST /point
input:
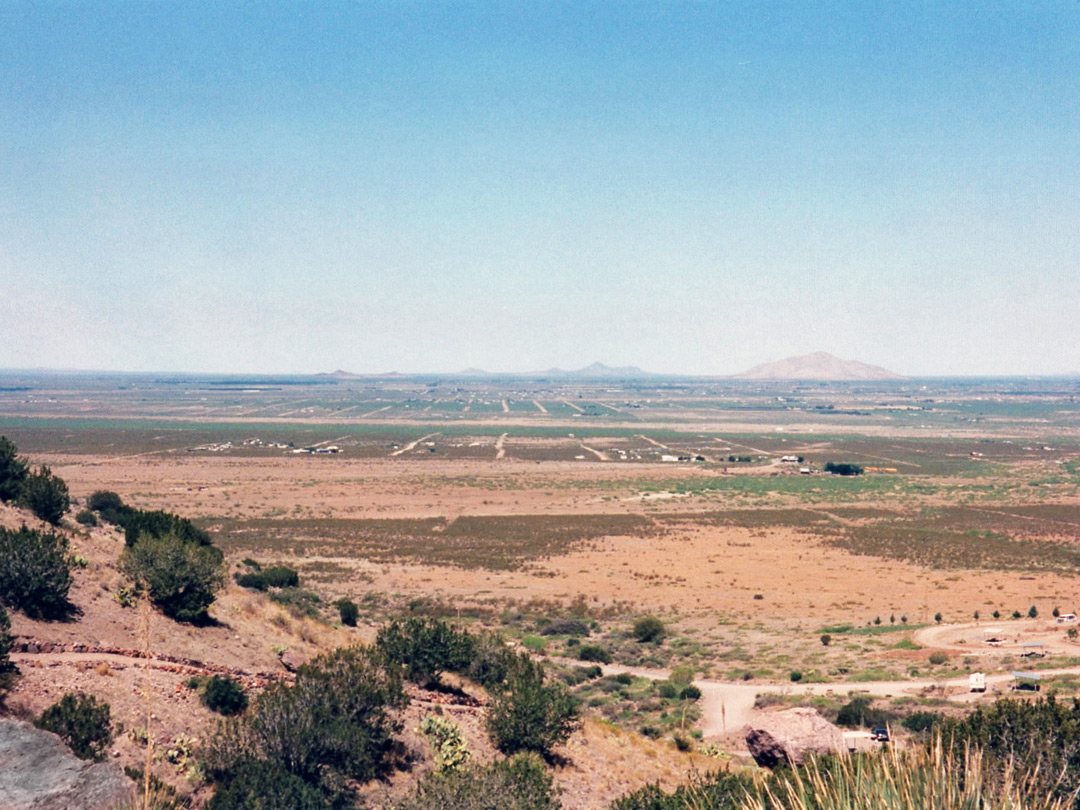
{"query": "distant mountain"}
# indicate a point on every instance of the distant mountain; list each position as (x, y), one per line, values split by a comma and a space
(340, 375)
(599, 370)
(817, 366)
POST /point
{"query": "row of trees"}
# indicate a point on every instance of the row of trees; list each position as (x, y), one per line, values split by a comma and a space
(43, 493)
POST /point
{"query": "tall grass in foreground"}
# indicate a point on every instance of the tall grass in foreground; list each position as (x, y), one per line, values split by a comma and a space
(918, 778)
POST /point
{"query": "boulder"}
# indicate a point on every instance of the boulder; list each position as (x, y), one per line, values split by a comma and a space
(787, 737)
(292, 661)
(39, 772)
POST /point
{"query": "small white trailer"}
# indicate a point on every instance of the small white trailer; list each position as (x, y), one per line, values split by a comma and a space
(977, 682)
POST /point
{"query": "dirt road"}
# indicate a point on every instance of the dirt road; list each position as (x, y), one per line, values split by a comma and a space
(728, 706)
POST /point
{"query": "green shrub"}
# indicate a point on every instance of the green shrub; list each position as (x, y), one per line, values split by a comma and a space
(668, 690)
(35, 573)
(624, 678)
(253, 581)
(712, 791)
(690, 692)
(224, 695)
(533, 643)
(45, 494)
(139, 522)
(938, 658)
(565, 627)
(336, 724)
(795, 676)
(348, 611)
(519, 783)
(8, 671)
(299, 602)
(859, 712)
(682, 674)
(103, 500)
(279, 576)
(919, 722)
(826, 639)
(426, 648)
(13, 470)
(492, 661)
(262, 785)
(82, 723)
(682, 742)
(593, 652)
(86, 518)
(528, 715)
(843, 469)
(648, 629)
(180, 577)
(1037, 741)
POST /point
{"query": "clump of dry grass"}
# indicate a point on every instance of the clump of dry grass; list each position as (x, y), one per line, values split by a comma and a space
(911, 779)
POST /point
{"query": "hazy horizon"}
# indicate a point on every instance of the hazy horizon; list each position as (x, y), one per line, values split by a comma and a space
(692, 189)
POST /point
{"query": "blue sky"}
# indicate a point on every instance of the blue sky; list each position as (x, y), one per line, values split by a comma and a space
(427, 186)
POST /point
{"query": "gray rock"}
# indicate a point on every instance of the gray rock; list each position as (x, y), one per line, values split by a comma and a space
(39, 772)
(787, 737)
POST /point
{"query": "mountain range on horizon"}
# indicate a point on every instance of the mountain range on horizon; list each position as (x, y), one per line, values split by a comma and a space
(814, 366)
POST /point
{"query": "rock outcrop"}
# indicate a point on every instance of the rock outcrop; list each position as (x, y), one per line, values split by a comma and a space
(787, 737)
(39, 772)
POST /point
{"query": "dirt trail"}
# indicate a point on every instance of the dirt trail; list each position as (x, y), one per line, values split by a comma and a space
(506, 406)
(653, 442)
(969, 638)
(330, 441)
(572, 405)
(737, 444)
(500, 449)
(997, 512)
(600, 454)
(372, 413)
(412, 445)
(539, 407)
(120, 661)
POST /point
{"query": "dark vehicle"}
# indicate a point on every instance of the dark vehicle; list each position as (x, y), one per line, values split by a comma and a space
(880, 735)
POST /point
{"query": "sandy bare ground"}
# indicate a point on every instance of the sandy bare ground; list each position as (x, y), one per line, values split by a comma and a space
(709, 570)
